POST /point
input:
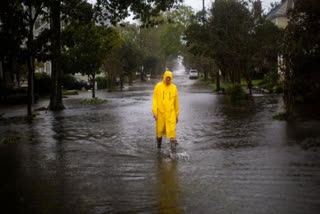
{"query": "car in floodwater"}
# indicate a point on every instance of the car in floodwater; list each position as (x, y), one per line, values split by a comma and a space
(193, 74)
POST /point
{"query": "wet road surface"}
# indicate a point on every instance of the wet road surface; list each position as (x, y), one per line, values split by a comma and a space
(103, 158)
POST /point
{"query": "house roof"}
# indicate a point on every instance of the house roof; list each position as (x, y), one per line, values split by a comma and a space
(279, 11)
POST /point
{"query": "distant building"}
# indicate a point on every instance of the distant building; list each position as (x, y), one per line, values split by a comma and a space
(279, 14)
(40, 25)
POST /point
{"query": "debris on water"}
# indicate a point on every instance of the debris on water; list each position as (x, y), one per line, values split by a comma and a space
(94, 100)
(42, 109)
(9, 140)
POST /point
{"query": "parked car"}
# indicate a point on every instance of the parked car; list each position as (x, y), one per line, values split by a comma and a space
(193, 74)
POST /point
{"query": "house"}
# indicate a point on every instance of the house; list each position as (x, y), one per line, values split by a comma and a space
(39, 26)
(279, 14)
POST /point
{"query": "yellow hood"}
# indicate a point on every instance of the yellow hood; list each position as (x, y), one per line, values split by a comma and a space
(167, 74)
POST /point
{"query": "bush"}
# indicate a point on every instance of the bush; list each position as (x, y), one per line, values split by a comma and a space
(281, 116)
(70, 92)
(42, 83)
(19, 98)
(270, 80)
(102, 82)
(93, 101)
(69, 82)
(278, 89)
(235, 92)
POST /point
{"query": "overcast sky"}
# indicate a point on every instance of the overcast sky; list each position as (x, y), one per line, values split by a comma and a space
(197, 4)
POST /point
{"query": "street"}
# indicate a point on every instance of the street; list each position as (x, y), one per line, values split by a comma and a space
(95, 159)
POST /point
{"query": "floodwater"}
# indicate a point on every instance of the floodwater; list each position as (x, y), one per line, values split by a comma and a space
(96, 159)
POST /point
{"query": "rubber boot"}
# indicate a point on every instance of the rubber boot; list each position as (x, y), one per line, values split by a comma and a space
(173, 145)
(159, 140)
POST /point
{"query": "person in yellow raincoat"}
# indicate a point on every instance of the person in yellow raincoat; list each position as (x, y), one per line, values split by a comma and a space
(165, 108)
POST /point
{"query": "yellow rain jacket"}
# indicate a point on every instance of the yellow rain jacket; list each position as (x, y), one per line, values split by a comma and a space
(165, 106)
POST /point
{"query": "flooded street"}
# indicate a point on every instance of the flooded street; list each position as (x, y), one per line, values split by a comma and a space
(96, 159)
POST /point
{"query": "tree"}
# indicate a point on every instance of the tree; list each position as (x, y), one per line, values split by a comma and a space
(239, 44)
(113, 66)
(116, 10)
(56, 73)
(301, 54)
(87, 47)
(12, 33)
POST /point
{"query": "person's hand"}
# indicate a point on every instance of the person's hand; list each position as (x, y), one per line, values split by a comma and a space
(155, 117)
(177, 119)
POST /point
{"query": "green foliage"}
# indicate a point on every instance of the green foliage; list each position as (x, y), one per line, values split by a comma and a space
(301, 53)
(42, 83)
(256, 82)
(68, 81)
(30, 118)
(235, 93)
(143, 10)
(17, 99)
(278, 89)
(240, 42)
(270, 80)
(70, 92)
(281, 116)
(9, 140)
(150, 50)
(93, 101)
(102, 82)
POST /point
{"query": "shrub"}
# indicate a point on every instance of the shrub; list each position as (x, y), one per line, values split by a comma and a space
(281, 116)
(19, 98)
(70, 92)
(93, 101)
(69, 82)
(102, 82)
(235, 92)
(270, 80)
(42, 83)
(278, 89)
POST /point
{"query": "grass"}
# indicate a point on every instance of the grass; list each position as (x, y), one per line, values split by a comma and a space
(281, 116)
(29, 118)
(9, 140)
(70, 92)
(256, 82)
(93, 101)
(42, 109)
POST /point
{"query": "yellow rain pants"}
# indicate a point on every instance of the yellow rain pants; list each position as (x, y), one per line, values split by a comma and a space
(165, 106)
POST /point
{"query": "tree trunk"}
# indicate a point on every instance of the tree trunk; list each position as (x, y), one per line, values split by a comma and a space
(249, 83)
(30, 84)
(30, 64)
(93, 85)
(130, 79)
(110, 82)
(217, 80)
(121, 82)
(288, 96)
(56, 73)
(4, 80)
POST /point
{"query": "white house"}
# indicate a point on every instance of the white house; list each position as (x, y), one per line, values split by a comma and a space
(279, 14)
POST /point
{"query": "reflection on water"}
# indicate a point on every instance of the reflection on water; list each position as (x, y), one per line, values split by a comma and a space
(103, 158)
(168, 186)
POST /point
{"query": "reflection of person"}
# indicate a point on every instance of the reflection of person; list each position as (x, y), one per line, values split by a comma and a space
(168, 187)
(165, 108)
